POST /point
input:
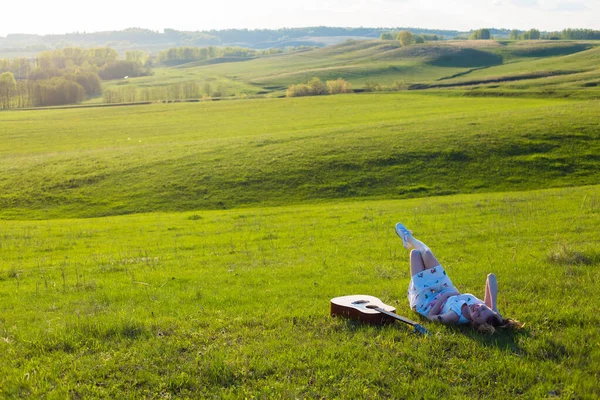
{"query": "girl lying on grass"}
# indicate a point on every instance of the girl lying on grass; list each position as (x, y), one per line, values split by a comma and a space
(432, 294)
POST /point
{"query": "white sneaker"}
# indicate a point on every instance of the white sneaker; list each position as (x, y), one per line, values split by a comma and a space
(404, 235)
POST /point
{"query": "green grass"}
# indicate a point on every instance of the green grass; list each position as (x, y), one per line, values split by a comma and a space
(546, 69)
(233, 304)
(177, 157)
(244, 218)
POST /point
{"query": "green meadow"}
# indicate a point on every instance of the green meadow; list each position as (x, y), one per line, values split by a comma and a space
(513, 68)
(95, 162)
(190, 250)
(234, 304)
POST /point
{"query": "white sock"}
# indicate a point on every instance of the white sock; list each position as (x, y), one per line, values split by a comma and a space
(417, 244)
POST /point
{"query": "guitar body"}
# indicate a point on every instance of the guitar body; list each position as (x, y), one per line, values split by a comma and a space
(371, 310)
(358, 307)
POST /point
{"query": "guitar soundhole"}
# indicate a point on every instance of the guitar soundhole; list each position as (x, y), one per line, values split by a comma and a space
(371, 306)
(360, 302)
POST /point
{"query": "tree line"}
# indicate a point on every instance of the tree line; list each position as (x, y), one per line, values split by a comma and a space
(65, 76)
(150, 39)
(70, 75)
(580, 34)
(177, 91)
(535, 34)
(407, 38)
(180, 55)
(316, 87)
(258, 38)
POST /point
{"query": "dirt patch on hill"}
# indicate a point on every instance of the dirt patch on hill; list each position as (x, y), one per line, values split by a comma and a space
(474, 44)
(535, 75)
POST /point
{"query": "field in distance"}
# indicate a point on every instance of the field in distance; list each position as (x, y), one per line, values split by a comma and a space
(176, 157)
(525, 68)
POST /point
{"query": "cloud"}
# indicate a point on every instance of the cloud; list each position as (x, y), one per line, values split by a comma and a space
(571, 6)
(517, 3)
(547, 5)
(525, 3)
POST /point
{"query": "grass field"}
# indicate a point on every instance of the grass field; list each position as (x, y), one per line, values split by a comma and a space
(177, 157)
(190, 250)
(233, 304)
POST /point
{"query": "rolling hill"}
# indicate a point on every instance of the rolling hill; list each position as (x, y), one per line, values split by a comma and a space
(495, 66)
(176, 157)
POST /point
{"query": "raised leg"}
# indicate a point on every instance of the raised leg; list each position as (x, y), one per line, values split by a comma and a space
(416, 262)
(416, 243)
(429, 259)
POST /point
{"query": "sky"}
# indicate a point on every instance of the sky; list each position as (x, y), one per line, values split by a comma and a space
(67, 16)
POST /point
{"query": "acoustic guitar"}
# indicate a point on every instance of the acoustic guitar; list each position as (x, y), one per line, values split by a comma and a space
(371, 310)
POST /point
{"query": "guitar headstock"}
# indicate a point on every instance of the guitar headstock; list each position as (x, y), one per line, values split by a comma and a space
(421, 330)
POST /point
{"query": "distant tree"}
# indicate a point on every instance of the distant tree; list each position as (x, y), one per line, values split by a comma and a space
(398, 85)
(515, 34)
(338, 86)
(191, 90)
(4, 65)
(406, 38)
(76, 55)
(38, 74)
(90, 81)
(180, 55)
(580, 34)
(298, 90)
(480, 34)
(317, 87)
(372, 87)
(419, 39)
(120, 68)
(20, 67)
(207, 89)
(8, 86)
(387, 36)
(56, 91)
(22, 100)
(552, 36)
(221, 91)
(532, 34)
(102, 55)
(44, 61)
(137, 56)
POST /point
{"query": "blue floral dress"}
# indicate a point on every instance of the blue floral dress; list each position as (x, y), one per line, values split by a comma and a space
(426, 287)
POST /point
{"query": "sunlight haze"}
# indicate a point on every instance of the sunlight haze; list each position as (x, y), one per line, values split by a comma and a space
(67, 16)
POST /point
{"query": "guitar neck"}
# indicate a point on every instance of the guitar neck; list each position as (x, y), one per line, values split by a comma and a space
(396, 316)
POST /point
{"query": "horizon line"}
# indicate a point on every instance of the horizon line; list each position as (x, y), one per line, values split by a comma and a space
(277, 29)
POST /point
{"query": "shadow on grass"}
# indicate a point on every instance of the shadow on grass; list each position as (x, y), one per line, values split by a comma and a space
(466, 58)
(503, 339)
(565, 255)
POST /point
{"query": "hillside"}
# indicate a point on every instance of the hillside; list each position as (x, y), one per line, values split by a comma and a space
(176, 157)
(502, 66)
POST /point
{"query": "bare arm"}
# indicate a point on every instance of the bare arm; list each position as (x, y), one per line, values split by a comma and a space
(437, 307)
(491, 292)
(448, 318)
